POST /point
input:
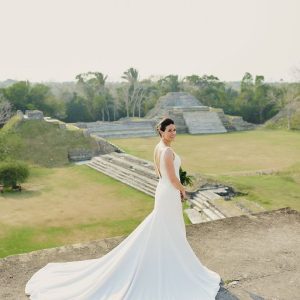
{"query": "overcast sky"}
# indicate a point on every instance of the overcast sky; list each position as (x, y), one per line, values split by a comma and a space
(43, 40)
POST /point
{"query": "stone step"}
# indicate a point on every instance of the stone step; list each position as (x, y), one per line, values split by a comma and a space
(201, 196)
(127, 172)
(139, 161)
(123, 162)
(208, 197)
(122, 179)
(208, 204)
(123, 134)
(199, 203)
(211, 214)
(194, 216)
(195, 206)
(148, 183)
(203, 122)
(124, 130)
(205, 207)
(205, 204)
(117, 125)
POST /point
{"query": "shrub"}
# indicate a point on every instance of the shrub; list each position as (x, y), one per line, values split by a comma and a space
(12, 173)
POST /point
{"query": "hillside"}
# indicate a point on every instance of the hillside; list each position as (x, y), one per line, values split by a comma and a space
(280, 121)
(40, 142)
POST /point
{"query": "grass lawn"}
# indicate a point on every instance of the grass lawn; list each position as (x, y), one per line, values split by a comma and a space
(235, 157)
(68, 205)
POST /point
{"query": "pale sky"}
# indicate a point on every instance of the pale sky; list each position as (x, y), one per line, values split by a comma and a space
(54, 40)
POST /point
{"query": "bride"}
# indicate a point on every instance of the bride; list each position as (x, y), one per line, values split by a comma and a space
(155, 262)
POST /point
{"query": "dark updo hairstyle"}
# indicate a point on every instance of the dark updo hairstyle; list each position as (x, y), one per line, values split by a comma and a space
(163, 124)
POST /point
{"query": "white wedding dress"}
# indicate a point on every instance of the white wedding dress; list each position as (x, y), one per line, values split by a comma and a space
(155, 262)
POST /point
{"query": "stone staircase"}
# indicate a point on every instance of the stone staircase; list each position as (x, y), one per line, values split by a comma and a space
(133, 171)
(202, 207)
(203, 122)
(226, 121)
(177, 117)
(139, 174)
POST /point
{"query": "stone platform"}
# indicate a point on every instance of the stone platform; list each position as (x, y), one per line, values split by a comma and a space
(257, 256)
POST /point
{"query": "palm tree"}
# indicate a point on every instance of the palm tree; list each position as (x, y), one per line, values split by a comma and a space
(131, 75)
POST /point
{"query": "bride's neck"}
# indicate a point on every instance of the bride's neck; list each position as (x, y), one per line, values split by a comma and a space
(166, 143)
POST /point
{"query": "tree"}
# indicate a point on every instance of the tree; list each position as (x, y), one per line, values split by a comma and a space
(98, 99)
(170, 83)
(12, 173)
(76, 110)
(22, 96)
(5, 111)
(260, 99)
(210, 91)
(244, 102)
(247, 83)
(131, 75)
(17, 95)
(130, 90)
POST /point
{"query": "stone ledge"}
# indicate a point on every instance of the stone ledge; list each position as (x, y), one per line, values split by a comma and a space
(256, 256)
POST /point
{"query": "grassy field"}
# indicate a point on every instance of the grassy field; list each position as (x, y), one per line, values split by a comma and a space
(68, 205)
(236, 159)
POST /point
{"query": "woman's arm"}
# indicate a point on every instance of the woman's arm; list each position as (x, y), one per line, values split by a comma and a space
(168, 158)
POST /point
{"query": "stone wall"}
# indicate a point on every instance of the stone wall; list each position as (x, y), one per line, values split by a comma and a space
(34, 115)
(120, 129)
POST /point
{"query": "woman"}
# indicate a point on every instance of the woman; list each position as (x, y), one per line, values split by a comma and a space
(155, 262)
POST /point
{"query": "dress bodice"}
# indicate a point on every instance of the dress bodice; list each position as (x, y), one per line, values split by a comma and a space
(162, 166)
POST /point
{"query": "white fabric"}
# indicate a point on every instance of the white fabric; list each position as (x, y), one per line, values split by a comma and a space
(155, 262)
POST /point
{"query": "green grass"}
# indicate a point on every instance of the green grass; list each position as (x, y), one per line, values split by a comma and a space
(24, 239)
(270, 191)
(230, 157)
(186, 218)
(42, 143)
(224, 153)
(60, 206)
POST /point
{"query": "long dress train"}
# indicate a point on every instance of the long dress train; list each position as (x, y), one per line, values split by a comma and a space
(155, 262)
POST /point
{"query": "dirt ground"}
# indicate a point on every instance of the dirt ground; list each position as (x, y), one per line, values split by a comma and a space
(255, 255)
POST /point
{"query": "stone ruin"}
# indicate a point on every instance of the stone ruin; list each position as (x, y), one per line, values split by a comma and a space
(192, 117)
(30, 115)
(34, 115)
(189, 114)
(119, 129)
